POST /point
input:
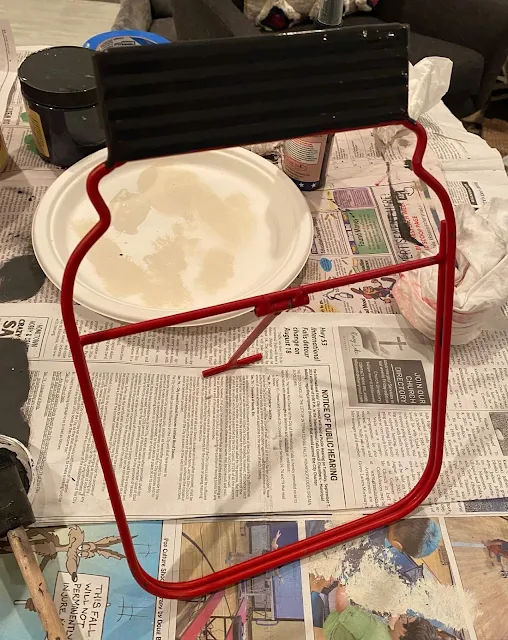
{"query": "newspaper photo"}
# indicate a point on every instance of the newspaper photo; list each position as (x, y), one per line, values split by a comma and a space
(253, 609)
(480, 548)
(446, 573)
(400, 581)
(98, 599)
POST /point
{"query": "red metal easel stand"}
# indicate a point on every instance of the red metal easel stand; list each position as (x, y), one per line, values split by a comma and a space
(268, 307)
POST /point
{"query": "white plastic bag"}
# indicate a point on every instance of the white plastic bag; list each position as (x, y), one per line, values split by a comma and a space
(429, 80)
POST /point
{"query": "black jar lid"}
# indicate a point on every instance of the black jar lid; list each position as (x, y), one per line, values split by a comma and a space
(59, 77)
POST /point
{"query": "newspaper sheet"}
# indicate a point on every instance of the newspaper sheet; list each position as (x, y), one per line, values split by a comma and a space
(441, 573)
(336, 417)
(451, 147)
(414, 575)
(8, 64)
(456, 148)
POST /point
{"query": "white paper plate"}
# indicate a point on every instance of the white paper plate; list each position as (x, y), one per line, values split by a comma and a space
(187, 232)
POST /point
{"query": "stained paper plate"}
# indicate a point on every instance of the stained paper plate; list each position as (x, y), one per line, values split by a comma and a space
(187, 232)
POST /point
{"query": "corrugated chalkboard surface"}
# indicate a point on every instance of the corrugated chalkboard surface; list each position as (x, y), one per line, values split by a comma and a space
(191, 96)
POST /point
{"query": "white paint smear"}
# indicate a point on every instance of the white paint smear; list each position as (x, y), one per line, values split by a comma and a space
(197, 237)
(377, 586)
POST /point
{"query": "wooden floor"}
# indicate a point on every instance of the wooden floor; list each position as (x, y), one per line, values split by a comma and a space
(57, 22)
(285, 630)
(217, 539)
(435, 564)
(481, 574)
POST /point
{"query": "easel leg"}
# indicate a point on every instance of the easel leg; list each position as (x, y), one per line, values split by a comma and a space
(235, 362)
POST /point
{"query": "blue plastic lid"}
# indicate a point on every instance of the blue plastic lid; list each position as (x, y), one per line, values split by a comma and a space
(126, 38)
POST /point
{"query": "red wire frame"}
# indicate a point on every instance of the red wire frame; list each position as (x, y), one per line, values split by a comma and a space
(268, 307)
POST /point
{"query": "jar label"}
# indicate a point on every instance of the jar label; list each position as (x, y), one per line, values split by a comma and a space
(303, 158)
(38, 132)
(123, 41)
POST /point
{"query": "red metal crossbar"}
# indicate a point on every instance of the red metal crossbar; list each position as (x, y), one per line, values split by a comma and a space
(268, 307)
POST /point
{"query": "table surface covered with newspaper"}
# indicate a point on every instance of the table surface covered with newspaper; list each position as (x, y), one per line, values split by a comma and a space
(318, 428)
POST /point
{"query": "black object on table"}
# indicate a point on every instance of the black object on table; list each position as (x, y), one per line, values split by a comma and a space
(61, 101)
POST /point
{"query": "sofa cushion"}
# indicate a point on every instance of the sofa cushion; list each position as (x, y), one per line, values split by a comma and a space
(358, 19)
(164, 27)
(161, 8)
(467, 70)
(467, 64)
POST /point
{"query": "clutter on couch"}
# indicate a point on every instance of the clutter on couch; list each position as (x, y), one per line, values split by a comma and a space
(276, 15)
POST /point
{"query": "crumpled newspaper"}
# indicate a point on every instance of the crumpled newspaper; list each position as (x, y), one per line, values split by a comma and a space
(265, 148)
(481, 276)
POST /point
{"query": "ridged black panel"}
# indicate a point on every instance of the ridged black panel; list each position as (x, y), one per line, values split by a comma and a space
(190, 96)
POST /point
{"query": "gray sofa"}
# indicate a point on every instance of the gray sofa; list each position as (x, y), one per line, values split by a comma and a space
(472, 33)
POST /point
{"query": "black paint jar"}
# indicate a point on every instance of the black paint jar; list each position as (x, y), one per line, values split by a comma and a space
(58, 86)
